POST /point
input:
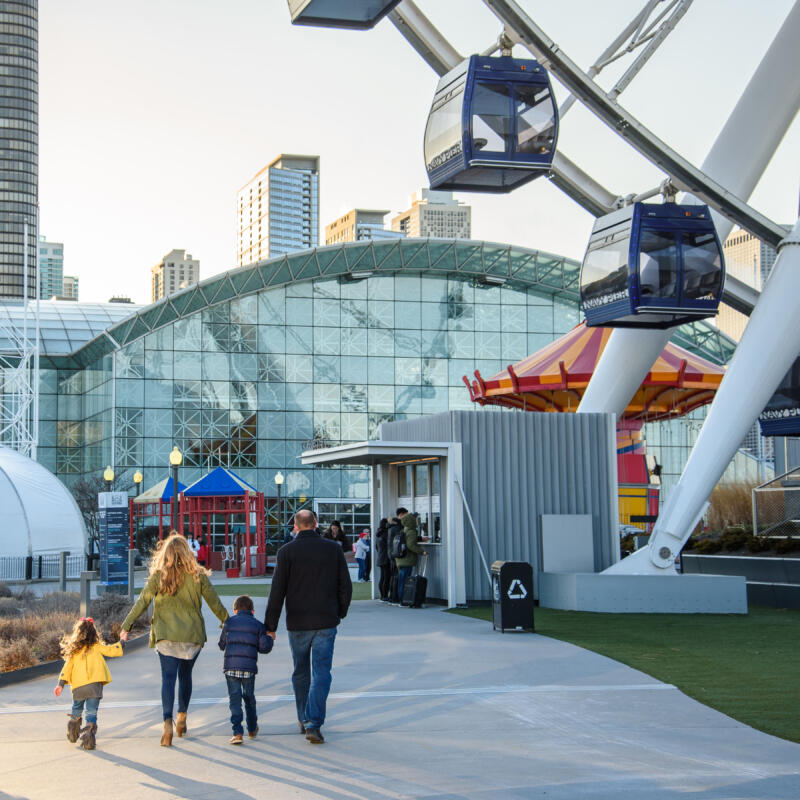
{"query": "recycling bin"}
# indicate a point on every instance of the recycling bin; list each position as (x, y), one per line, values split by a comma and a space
(512, 596)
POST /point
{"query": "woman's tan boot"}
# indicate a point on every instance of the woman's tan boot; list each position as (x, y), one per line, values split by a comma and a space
(166, 737)
(180, 723)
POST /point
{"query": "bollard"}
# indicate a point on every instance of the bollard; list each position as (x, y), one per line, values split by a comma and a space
(132, 553)
(28, 567)
(86, 591)
(62, 571)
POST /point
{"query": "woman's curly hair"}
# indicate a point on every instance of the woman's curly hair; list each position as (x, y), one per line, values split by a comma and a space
(174, 560)
(84, 634)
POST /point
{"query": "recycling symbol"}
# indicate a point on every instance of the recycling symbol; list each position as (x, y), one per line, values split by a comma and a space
(517, 591)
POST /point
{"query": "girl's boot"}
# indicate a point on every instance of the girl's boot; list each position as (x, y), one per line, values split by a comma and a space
(87, 736)
(180, 724)
(73, 728)
(166, 736)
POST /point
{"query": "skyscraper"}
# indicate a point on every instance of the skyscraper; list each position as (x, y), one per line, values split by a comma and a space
(175, 271)
(278, 209)
(359, 224)
(19, 142)
(435, 214)
(51, 268)
(70, 291)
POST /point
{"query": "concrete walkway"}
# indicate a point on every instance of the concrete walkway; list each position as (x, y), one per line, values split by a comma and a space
(424, 705)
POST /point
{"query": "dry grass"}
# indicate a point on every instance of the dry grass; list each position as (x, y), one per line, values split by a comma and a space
(731, 505)
(31, 628)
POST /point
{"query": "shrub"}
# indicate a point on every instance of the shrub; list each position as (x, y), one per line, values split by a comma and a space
(26, 597)
(64, 602)
(708, 546)
(734, 539)
(758, 544)
(15, 655)
(9, 607)
(788, 545)
(108, 612)
(5, 590)
(731, 504)
(47, 646)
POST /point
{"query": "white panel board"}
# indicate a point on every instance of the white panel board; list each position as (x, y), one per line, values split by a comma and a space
(567, 543)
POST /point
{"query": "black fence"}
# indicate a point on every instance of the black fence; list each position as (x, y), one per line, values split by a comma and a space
(14, 568)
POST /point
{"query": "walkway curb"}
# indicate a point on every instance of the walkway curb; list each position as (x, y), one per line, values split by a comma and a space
(54, 667)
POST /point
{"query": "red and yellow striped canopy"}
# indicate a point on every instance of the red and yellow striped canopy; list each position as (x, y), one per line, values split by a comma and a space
(555, 378)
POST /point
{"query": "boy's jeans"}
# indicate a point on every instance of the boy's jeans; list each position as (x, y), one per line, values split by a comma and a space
(312, 652)
(92, 704)
(242, 689)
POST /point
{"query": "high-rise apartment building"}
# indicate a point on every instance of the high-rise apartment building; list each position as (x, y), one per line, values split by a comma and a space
(435, 214)
(51, 268)
(749, 260)
(19, 91)
(175, 271)
(70, 290)
(358, 224)
(278, 209)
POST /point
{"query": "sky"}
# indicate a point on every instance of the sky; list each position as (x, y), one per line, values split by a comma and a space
(154, 114)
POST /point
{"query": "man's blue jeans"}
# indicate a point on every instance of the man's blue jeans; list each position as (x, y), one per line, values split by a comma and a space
(242, 689)
(402, 574)
(312, 653)
(92, 704)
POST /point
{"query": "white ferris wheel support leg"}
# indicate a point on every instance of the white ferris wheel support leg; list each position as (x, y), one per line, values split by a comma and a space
(769, 345)
(737, 160)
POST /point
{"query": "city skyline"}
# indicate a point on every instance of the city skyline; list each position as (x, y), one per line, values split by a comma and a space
(370, 147)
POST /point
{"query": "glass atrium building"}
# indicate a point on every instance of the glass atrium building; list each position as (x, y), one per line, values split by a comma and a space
(245, 368)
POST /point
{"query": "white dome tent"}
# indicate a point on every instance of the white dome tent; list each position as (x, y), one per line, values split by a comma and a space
(39, 515)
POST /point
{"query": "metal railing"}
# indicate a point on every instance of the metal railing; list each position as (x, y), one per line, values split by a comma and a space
(46, 566)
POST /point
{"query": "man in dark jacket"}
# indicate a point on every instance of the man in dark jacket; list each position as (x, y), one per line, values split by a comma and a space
(311, 575)
(243, 637)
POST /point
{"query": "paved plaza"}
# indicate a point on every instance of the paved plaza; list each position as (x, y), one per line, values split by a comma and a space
(424, 704)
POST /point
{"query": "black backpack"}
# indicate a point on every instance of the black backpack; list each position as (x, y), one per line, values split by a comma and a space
(398, 548)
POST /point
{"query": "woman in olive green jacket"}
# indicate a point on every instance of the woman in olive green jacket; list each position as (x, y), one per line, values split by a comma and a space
(177, 586)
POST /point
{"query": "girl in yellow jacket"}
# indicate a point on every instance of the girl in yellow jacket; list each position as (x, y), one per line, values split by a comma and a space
(86, 672)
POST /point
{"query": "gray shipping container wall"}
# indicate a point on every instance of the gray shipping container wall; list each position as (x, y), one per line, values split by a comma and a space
(518, 466)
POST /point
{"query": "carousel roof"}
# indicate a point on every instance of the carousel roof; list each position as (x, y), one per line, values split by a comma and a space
(555, 378)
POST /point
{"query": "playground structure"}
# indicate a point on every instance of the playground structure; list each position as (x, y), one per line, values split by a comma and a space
(724, 183)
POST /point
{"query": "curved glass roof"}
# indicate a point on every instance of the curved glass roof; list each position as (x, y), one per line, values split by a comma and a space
(483, 262)
(64, 325)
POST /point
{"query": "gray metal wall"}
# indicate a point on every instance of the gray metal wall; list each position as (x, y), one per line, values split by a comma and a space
(518, 466)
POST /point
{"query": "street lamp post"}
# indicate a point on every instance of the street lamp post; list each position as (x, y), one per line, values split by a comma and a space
(278, 484)
(108, 477)
(175, 459)
(137, 480)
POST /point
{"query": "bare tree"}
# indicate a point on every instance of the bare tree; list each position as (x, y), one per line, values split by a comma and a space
(85, 491)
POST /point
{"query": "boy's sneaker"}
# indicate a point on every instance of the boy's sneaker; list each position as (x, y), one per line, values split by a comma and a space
(237, 738)
(314, 735)
(253, 733)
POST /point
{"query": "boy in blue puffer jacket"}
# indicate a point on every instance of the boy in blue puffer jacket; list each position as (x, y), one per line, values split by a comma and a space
(243, 638)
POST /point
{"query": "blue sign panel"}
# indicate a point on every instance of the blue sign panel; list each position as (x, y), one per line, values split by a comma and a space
(781, 416)
(114, 537)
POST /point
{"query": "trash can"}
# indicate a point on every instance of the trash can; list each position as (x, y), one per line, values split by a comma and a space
(512, 596)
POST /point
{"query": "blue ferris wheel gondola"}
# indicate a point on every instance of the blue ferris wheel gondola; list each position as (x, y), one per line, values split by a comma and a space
(492, 126)
(353, 14)
(652, 265)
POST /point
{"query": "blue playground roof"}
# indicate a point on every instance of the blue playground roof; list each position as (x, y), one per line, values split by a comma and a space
(220, 482)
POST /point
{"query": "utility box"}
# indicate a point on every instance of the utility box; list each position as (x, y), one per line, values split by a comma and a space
(512, 596)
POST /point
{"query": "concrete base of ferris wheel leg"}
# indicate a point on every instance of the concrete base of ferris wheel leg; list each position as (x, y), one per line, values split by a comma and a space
(643, 594)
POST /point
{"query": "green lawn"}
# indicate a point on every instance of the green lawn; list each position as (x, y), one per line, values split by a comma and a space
(361, 591)
(747, 667)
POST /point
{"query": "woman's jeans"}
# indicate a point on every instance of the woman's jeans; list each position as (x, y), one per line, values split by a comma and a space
(92, 704)
(172, 668)
(312, 653)
(402, 574)
(362, 568)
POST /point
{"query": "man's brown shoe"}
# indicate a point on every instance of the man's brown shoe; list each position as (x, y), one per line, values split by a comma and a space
(253, 733)
(236, 739)
(314, 735)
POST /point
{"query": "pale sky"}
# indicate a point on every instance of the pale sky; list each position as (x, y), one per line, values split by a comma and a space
(153, 114)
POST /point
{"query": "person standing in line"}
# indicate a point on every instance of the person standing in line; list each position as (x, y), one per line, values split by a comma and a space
(202, 552)
(361, 550)
(311, 576)
(382, 558)
(368, 565)
(336, 533)
(177, 586)
(406, 564)
(396, 535)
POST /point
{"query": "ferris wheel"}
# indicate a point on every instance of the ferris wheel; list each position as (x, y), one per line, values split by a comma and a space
(649, 266)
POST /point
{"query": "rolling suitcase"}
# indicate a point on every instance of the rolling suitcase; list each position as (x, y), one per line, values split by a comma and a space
(415, 589)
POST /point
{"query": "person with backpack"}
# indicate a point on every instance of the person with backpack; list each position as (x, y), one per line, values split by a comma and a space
(382, 559)
(407, 550)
